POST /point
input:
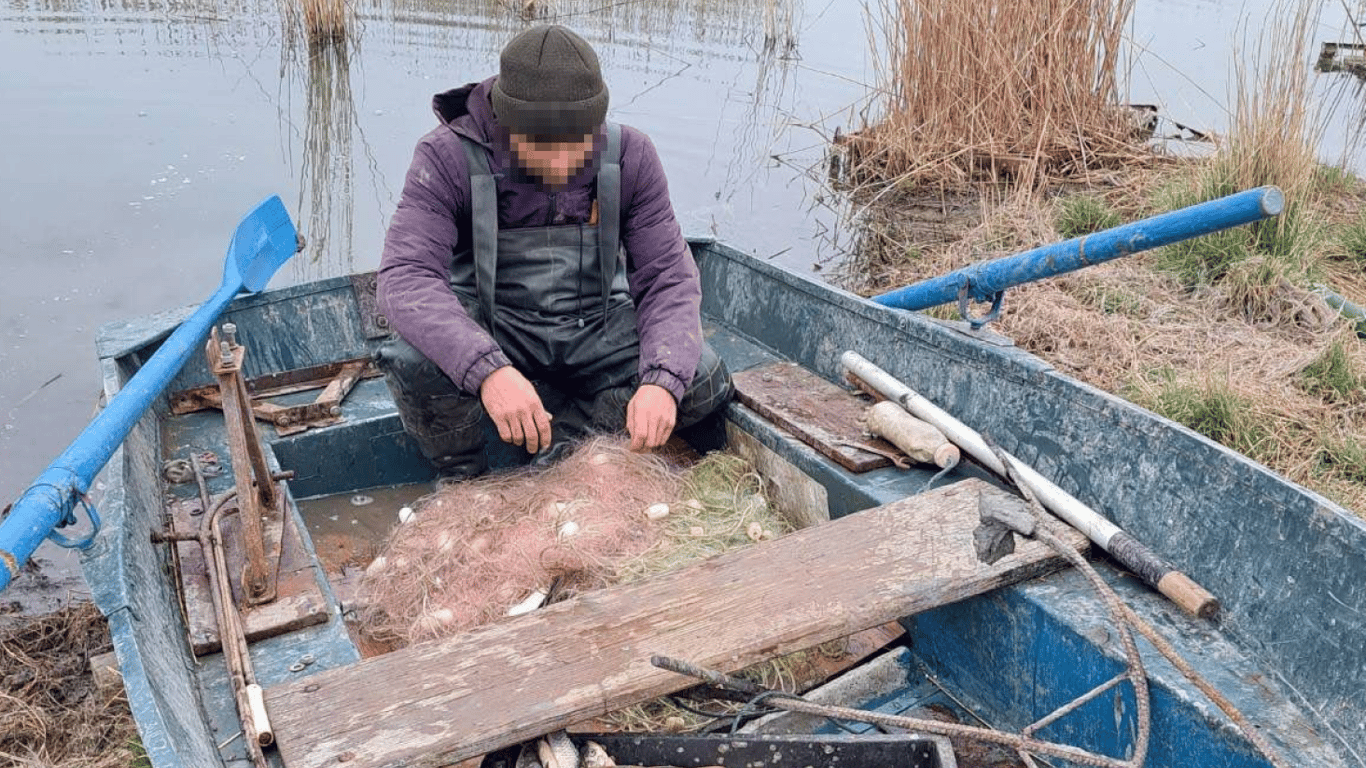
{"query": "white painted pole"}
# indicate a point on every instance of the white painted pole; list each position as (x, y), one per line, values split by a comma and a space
(1128, 550)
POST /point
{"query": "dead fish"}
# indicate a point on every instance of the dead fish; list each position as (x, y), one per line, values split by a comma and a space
(594, 756)
(557, 751)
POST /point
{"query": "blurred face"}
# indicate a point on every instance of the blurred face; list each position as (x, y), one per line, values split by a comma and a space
(554, 159)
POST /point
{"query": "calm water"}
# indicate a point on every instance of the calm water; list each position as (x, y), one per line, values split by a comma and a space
(136, 134)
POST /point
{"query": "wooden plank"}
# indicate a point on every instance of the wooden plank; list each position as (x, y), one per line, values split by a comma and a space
(299, 600)
(809, 670)
(821, 414)
(798, 498)
(443, 701)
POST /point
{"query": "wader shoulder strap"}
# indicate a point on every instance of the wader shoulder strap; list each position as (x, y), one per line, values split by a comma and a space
(609, 210)
(483, 225)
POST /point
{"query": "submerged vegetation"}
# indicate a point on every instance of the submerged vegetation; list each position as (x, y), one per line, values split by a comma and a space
(1001, 128)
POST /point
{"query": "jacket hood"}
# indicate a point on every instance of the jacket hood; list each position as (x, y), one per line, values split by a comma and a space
(467, 111)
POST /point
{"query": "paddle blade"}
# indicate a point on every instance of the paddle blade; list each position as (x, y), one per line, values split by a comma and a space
(263, 241)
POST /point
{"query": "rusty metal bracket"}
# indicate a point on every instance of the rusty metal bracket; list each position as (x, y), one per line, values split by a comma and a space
(257, 495)
(364, 286)
(335, 379)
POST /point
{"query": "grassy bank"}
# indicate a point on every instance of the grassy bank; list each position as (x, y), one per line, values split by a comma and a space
(52, 711)
(1226, 334)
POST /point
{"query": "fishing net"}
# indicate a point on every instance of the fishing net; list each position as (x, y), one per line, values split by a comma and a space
(477, 550)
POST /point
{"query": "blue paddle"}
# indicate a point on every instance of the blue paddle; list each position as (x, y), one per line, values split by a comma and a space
(263, 241)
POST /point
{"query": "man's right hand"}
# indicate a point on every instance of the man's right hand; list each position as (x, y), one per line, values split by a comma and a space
(516, 409)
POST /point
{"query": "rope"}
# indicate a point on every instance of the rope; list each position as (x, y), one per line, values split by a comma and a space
(936, 477)
(937, 727)
(1023, 743)
(1259, 741)
(1046, 530)
(1129, 620)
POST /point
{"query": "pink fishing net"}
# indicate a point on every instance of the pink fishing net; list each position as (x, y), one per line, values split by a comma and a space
(476, 549)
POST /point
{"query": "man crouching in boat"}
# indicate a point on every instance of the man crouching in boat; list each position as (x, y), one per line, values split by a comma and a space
(505, 280)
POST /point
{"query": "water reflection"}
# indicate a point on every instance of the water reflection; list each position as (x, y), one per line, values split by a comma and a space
(317, 48)
(139, 131)
(635, 36)
(640, 29)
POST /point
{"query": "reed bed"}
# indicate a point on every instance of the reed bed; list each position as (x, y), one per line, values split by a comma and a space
(1283, 386)
(990, 91)
(1274, 130)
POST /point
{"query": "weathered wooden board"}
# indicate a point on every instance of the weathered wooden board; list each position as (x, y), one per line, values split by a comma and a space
(819, 413)
(299, 601)
(443, 701)
(808, 669)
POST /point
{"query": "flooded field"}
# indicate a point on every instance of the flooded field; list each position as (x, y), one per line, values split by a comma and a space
(137, 133)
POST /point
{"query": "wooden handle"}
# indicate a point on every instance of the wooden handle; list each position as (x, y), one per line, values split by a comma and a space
(947, 455)
(1192, 597)
(1130, 552)
(919, 440)
(256, 702)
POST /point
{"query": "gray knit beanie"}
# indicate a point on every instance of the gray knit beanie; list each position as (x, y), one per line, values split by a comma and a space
(549, 84)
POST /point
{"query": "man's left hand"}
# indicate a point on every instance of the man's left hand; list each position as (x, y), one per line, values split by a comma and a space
(650, 417)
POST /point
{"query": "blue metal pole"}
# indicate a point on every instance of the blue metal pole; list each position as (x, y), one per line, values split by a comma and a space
(984, 281)
(264, 240)
(49, 500)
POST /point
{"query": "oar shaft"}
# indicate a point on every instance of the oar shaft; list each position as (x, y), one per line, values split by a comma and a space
(983, 281)
(1125, 548)
(264, 240)
(57, 490)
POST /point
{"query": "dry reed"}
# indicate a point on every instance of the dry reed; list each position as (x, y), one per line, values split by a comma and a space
(974, 91)
(1274, 130)
(51, 712)
(327, 21)
(1130, 328)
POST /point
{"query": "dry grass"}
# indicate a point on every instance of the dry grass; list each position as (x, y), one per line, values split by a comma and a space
(1283, 388)
(1223, 333)
(51, 713)
(1272, 138)
(975, 91)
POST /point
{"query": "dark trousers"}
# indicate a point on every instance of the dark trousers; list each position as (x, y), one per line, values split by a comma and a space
(585, 378)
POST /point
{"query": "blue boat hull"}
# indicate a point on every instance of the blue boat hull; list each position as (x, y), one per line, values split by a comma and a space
(1288, 565)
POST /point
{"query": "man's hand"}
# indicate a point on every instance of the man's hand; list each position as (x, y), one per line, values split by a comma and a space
(650, 417)
(516, 409)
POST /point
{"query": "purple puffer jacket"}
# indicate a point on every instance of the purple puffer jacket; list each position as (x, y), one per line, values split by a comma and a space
(433, 218)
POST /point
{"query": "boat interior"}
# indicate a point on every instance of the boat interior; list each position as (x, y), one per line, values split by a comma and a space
(1000, 645)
